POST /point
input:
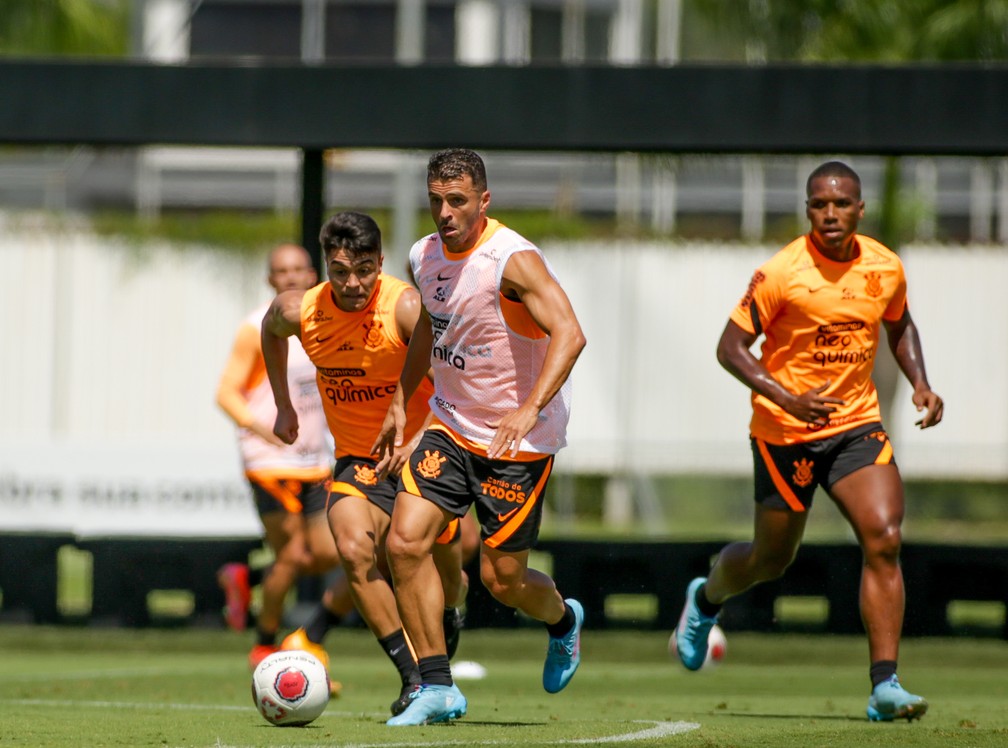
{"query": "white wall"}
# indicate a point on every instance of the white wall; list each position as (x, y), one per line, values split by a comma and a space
(648, 389)
(111, 353)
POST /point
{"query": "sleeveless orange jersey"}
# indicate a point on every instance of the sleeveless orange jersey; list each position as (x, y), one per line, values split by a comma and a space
(822, 322)
(359, 357)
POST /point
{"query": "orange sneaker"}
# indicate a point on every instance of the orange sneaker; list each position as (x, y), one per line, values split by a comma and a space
(233, 578)
(298, 639)
(260, 652)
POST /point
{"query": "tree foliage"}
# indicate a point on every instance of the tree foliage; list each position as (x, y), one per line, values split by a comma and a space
(64, 27)
(862, 31)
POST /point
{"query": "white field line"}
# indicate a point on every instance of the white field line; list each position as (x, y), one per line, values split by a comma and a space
(95, 704)
(97, 674)
(656, 731)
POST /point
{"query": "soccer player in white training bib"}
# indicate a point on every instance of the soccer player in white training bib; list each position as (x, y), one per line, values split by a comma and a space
(502, 338)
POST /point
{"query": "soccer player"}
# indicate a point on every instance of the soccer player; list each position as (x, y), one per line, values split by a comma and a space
(502, 338)
(820, 303)
(287, 481)
(355, 329)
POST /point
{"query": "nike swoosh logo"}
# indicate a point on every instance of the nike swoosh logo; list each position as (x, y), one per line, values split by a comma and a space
(447, 277)
(504, 517)
(320, 339)
(813, 290)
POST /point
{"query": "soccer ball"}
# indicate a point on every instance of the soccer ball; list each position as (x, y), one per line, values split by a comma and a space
(717, 647)
(290, 688)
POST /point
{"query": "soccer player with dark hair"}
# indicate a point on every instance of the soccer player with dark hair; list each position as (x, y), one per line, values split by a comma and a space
(502, 338)
(355, 329)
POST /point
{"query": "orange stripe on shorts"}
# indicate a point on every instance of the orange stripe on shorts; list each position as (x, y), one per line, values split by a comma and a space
(345, 489)
(409, 482)
(778, 480)
(885, 456)
(286, 492)
(515, 522)
(448, 534)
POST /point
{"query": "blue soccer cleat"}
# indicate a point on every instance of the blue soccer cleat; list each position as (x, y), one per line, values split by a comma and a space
(889, 701)
(694, 627)
(563, 655)
(432, 704)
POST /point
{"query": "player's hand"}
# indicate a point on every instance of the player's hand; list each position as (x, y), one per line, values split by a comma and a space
(932, 403)
(265, 433)
(392, 465)
(511, 429)
(390, 439)
(286, 425)
(812, 406)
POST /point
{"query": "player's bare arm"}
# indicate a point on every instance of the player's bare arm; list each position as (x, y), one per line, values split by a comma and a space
(407, 314)
(231, 395)
(734, 354)
(526, 279)
(416, 367)
(904, 342)
(282, 319)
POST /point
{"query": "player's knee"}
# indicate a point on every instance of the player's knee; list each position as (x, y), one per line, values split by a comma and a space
(355, 552)
(399, 547)
(504, 589)
(503, 593)
(773, 566)
(884, 545)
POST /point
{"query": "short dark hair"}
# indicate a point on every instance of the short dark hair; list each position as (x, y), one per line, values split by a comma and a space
(454, 163)
(832, 169)
(355, 232)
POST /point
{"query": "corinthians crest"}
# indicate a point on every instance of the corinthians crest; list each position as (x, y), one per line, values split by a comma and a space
(873, 284)
(365, 475)
(373, 333)
(803, 472)
(430, 465)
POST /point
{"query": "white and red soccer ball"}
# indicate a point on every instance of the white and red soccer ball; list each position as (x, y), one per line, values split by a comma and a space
(717, 647)
(290, 688)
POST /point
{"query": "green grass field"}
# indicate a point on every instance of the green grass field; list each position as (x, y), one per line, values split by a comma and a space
(190, 687)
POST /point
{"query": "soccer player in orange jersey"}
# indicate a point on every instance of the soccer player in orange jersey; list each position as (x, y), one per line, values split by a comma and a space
(820, 304)
(288, 482)
(355, 329)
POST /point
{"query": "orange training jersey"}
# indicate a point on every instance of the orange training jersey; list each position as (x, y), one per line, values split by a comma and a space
(821, 320)
(359, 357)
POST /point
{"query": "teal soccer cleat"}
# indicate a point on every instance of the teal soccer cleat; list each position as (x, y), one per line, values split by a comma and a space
(692, 630)
(432, 704)
(889, 701)
(563, 655)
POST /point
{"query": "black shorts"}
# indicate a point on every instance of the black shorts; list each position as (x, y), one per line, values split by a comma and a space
(508, 494)
(288, 495)
(356, 476)
(786, 475)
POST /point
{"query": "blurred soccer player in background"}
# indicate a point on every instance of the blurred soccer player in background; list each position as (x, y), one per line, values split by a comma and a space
(288, 481)
(820, 304)
(502, 338)
(355, 329)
